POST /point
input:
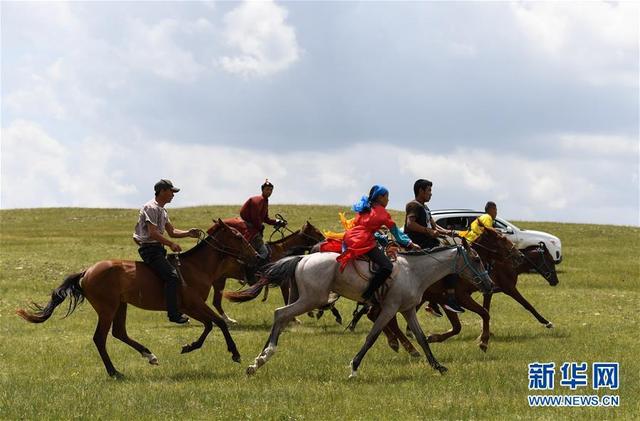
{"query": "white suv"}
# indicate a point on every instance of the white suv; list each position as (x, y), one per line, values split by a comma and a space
(461, 219)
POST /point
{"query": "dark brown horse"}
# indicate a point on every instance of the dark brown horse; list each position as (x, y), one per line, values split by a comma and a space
(110, 285)
(295, 243)
(506, 267)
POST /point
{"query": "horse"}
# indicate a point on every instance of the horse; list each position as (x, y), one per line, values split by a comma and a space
(314, 276)
(295, 243)
(110, 285)
(507, 263)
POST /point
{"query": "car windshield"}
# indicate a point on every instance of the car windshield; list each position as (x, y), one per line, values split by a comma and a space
(510, 224)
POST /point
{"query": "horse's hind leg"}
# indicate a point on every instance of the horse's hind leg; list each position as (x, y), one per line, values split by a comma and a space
(281, 317)
(412, 320)
(119, 331)
(105, 319)
(395, 330)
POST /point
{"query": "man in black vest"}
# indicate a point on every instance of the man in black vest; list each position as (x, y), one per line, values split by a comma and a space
(422, 229)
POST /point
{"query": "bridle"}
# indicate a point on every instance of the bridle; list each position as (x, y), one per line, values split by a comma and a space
(546, 272)
(219, 246)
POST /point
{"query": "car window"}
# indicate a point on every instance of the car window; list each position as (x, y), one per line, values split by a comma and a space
(454, 222)
(499, 224)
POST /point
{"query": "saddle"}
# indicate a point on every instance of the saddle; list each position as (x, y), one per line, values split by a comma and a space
(174, 261)
(391, 251)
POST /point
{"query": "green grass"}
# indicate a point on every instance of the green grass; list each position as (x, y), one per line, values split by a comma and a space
(53, 370)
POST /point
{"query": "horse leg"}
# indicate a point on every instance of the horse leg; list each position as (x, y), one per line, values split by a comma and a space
(199, 310)
(392, 339)
(412, 319)
(218, 288)
(105, 319)
(281, 318)
(393, 327)
(381, 321)
(469, 303)
(357, 315)
(119, 331)
(456, 327)
(515, 294)
(336, 314)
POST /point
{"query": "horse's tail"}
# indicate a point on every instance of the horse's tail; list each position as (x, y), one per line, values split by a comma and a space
(274, 273)
(69, 288)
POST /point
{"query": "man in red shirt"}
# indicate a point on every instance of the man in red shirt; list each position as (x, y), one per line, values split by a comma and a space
(255, 213)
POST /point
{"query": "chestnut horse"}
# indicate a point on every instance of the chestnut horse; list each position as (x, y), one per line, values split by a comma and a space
(110, 285)
(295, 243)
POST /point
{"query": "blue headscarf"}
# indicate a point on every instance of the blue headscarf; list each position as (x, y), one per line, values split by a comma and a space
(364, 204)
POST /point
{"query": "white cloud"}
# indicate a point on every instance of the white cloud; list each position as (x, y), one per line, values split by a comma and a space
(38, 170)
(620, 146)
(154, 48)
(598, 39)
(266, 43)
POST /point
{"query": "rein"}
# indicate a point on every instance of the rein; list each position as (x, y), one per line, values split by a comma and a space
(215, 244)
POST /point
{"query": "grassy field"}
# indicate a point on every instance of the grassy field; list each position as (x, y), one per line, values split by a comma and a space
(53, 371)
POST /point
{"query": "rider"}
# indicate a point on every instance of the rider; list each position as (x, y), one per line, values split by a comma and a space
(481, 223)
(422, 229)
(149, 235)
(255, 213)
(360, 239)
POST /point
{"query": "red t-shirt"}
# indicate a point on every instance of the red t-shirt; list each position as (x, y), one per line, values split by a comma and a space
(360, 240)
(255, 211)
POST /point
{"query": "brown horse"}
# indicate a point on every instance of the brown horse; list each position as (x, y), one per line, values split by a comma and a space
(295, 243)
(504, 272)
(110, 285)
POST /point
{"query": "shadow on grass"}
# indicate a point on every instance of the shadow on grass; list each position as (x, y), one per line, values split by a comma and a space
(530, 336)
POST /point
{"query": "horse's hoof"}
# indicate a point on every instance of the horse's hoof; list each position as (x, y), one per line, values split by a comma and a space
(251, 370)
(433, 338)
(116, 375)
(339, 320)
(186, 349)
(483, 346)
(297, 321)
(153, 360)
(409, 334)
(394, 345)
(236, 358)
(310, 314)
(229, 320)
(415, 354)
(442, 369)
(353, 375)
(549, 325)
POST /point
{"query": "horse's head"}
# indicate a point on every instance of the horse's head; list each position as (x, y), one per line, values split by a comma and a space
(539, 258)
(499, 247)
(311, 233)
(468, 265)
(229, 241)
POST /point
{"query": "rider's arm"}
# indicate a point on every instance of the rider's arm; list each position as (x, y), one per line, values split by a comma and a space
(402, 238)
(176, 233)
(155, 235)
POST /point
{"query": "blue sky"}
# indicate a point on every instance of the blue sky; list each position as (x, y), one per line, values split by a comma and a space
(532, 105)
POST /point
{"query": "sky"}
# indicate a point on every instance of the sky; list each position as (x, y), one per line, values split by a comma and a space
(534, 105)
